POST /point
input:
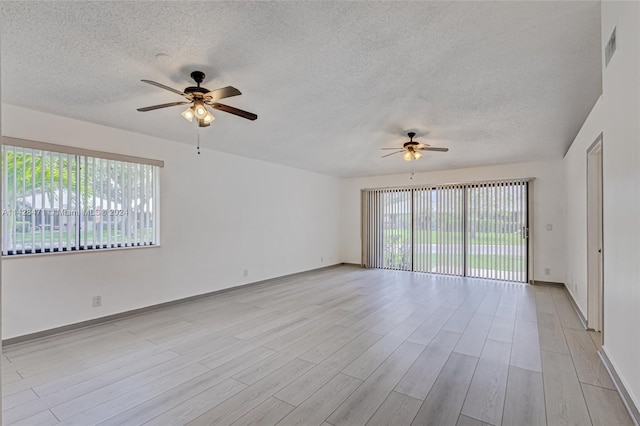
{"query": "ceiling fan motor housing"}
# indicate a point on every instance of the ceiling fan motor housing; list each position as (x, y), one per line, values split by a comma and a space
(194, 89)
(198, 77)
(411, 144)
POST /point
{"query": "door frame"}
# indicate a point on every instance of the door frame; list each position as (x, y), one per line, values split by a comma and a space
(595, 237)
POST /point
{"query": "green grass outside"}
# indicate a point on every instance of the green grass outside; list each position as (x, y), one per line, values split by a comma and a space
(478, 238)
(474, 261)
(90, 237)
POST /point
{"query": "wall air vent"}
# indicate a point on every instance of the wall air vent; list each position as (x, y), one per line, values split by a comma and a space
(610, 49)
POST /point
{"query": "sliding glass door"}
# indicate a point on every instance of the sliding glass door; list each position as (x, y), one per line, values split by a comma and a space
(396, 230)
(387, 229)
(439, 230)
(476, 230)
(496, 231)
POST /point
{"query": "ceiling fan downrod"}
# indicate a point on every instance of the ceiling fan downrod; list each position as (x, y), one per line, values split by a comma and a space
(198, 77)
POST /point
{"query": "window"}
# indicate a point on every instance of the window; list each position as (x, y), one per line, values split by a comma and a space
(58, 199)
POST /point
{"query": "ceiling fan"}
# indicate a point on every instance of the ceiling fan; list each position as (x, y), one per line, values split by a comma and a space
(412, 149)
(200, 98)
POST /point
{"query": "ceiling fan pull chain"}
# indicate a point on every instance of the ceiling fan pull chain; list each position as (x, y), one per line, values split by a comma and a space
(198, 137)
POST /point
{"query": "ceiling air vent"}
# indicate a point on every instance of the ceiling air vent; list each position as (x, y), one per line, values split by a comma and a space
(610, 49)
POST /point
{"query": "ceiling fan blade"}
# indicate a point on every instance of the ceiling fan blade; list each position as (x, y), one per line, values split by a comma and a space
(162, 86)
(234, 111)
(434, 149)
(422, 145)
(225, 92)
(151, 108)
(390, 148)
(397, 152)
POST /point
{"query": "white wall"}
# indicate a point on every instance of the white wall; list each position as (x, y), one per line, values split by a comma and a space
(621, 192)
(575, 177)
(547, 207)
(220, 214)
(1, 286)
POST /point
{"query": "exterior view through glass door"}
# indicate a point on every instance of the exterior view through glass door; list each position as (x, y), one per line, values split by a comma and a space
(439, 230)
(497, 231)
(396, 229)
(386, 229)
(476, 230)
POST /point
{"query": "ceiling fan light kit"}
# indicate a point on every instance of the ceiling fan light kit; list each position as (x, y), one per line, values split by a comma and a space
(411, 149)
(208, 118)
(188, 114)
(410, 154)
(200, 110)
(200, 98)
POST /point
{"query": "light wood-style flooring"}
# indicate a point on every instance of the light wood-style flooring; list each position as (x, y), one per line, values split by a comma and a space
(338, 346)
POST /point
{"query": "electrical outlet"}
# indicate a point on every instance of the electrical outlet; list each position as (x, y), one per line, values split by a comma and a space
(97, 301)
(321, 259)
(547, 271)
(245, 272)
(549, 227)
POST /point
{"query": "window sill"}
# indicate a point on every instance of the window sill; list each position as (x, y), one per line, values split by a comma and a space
(56, 253)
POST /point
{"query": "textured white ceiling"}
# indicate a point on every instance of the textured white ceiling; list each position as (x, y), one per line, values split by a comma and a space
(332, 83)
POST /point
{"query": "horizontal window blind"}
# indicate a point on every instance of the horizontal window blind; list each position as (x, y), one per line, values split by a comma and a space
(467, 229)
(58, 201)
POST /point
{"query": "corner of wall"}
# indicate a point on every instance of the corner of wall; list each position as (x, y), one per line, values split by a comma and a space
(1, 357)
(621, 198)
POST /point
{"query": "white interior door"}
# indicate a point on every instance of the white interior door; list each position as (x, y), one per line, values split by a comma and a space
(594, 237)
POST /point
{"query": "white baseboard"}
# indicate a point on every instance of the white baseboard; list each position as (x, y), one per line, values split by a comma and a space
(622, 390)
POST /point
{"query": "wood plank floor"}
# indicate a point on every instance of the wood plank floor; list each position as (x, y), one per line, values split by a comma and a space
(338, 346)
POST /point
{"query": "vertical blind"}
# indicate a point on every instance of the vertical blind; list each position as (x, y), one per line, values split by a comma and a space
(59, 201)
(497, 231)
(473, 229)
(388, 228)
(438, 229)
